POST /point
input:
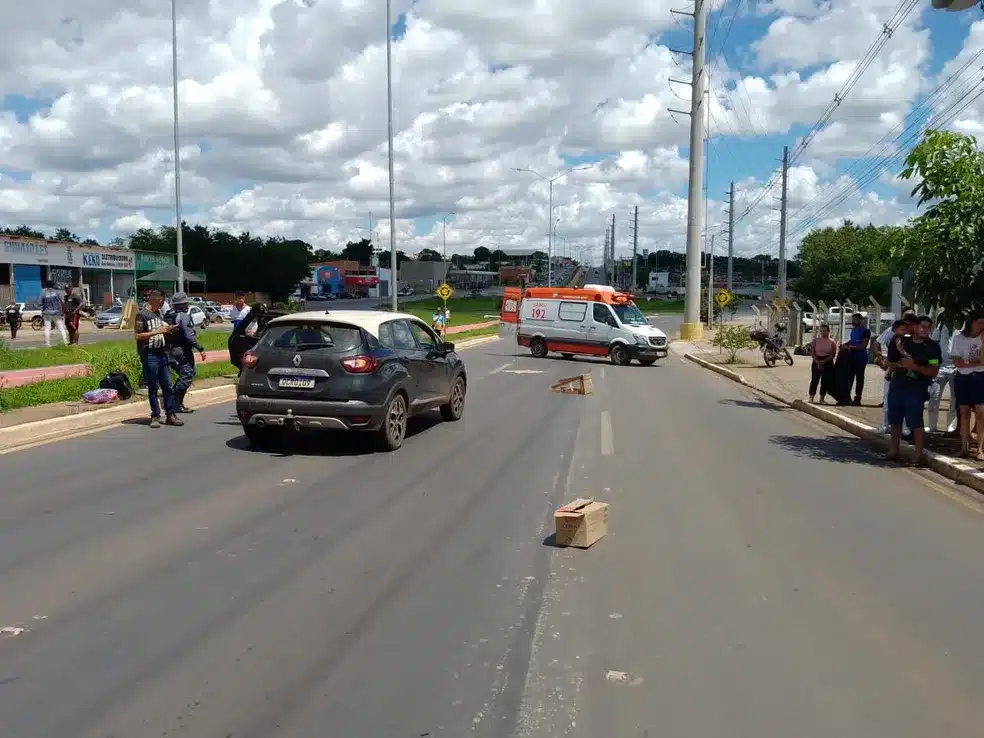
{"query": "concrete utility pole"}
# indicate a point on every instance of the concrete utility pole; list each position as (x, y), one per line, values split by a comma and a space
(179, 244)
(614, 271)
(782, 223)
(692, 327)
(604, 254)
(635, 249)
(710, 284)
(731, 236)
(394, 270)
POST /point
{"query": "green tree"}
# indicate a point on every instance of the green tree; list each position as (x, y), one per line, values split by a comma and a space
(847, 263)
(944, 247)
(429, 255)
(481, 254)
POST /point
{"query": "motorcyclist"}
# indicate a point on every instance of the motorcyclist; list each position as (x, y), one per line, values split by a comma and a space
(181, 345)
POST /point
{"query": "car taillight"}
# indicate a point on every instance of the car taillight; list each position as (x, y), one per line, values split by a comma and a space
(360, 364)
(250, 359)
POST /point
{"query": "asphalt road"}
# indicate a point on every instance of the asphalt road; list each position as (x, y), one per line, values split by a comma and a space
(764, 576)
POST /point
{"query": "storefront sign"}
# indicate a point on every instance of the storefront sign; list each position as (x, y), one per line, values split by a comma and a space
(121, 260)
(35, 252)
(150, 261)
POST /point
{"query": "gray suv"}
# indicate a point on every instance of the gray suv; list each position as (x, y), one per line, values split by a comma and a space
(348, 370)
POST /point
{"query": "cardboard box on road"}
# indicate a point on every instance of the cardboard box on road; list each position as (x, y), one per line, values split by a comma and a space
(581, 523)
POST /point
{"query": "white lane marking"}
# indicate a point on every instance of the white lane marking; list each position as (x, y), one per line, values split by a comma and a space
(602, 372)
(501, 368)
(524, 371)
(607, 435)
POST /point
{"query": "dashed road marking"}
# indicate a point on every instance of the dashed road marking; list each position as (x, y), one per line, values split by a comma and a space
(607, 435)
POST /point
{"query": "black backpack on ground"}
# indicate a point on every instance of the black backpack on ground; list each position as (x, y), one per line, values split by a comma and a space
(120, 382)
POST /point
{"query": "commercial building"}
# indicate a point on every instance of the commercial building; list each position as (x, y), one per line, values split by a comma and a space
(423, 276)
(148, 262)
(101, 274)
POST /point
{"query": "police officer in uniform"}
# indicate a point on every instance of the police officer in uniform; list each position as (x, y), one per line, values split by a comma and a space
(181, 345)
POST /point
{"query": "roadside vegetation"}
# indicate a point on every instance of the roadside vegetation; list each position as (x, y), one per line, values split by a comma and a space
(102, 358)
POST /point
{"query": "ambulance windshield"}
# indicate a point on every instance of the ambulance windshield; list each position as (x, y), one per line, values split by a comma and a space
(630, 315)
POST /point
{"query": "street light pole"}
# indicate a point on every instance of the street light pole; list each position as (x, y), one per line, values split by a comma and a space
(389, 131)
(445, 219)
(177, 148)
(550, 223)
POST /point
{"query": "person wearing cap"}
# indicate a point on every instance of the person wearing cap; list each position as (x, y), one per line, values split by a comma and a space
(181, 346)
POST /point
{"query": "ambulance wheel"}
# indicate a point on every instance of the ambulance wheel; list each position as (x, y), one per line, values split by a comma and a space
(620, 355)
(568, 356)
(538, 347)
(647, 362)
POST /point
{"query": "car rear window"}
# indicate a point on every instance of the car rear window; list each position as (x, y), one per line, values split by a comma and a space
(305, 336)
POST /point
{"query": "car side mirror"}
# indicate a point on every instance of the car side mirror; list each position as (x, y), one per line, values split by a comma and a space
(448, 347)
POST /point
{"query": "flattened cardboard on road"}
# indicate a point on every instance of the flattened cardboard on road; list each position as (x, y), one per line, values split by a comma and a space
(580, 385)
(581, 523)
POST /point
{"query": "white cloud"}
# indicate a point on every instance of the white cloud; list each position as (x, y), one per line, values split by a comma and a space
(283, 116)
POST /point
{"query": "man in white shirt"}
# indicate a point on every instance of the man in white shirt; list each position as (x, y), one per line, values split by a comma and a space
(968, 385)
(239, 309)
(942, 335)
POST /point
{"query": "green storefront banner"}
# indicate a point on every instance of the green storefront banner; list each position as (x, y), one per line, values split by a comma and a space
(151, 261)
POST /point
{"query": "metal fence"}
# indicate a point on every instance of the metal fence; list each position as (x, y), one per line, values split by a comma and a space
(803, 318)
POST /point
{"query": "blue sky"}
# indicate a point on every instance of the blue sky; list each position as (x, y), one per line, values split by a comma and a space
(735, 158)
(730, 157)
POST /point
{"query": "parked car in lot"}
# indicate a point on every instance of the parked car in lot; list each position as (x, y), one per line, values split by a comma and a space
(214, 315)
(347, 370)
(198, 316)
(110, 318)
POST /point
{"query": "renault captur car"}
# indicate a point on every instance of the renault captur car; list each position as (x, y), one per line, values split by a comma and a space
(347, 370)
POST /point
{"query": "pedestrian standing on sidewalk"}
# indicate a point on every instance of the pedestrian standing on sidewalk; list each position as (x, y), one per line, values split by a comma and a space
(13, 318)
(898, 330)
(942, 336)
(914, 363)
(823, 349)
(181, 346)
(150, 332)
(968, 386)
(52, 313)
(72, 305)
(857, 360)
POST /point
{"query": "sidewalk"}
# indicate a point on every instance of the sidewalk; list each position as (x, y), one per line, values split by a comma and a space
(792, 383)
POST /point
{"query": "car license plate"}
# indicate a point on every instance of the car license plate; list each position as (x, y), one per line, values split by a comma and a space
(296, 383)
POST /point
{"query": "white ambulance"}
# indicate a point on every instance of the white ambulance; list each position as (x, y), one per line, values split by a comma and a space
(594, 321)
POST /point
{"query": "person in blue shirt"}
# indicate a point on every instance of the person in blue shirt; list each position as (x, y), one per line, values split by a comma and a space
(856, 348)
(913, 363)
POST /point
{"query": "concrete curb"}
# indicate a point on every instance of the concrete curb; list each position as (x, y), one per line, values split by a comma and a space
(946, 466)
(34, 433)
(733, 376)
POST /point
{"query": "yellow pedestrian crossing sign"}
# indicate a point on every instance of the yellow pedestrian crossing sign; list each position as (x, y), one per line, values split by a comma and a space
(723, 298)
(445, 292)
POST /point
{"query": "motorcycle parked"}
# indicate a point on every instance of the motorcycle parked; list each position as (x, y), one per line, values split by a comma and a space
(772, 346)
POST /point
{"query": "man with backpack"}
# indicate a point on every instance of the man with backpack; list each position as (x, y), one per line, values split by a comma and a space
(181, 345)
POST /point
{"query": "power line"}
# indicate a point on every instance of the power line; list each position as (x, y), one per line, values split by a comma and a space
(902, 11)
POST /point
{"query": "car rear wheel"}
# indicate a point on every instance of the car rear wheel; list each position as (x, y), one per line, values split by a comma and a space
(394, 428)
(455, 407)
(620, 355)
(538, 347)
